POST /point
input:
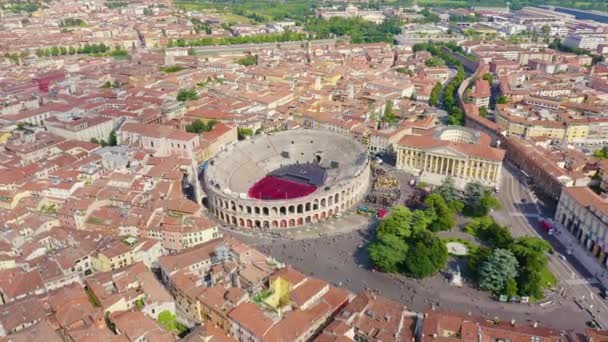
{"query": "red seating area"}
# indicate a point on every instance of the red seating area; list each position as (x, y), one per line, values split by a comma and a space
(272, 188)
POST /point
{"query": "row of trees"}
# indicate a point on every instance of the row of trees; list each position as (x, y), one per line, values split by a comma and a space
(21, 7)
(476, 200)
(256, 39)
(508, 266)
(110, 142)
(450, 103)
(435, 96)
(200, 26)
(86, 49)
(198, 126)
(358, 29)
(450, 94)
(69, 22)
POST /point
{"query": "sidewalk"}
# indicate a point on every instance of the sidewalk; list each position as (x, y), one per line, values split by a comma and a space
(580, 253)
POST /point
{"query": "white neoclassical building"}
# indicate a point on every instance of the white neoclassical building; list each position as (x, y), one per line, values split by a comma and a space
(460, 152)
(230, 177)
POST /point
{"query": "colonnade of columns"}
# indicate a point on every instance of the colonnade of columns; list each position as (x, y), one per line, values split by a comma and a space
(465, 168)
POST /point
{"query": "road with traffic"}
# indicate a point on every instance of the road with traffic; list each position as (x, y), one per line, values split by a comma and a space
(522, 211)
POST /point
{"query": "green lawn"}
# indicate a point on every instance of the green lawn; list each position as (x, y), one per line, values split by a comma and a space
(471, 246)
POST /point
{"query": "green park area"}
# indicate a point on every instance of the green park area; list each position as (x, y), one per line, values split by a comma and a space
(409, 241)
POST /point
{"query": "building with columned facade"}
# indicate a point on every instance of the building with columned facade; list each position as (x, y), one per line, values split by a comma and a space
(585, 215)
(460, 152)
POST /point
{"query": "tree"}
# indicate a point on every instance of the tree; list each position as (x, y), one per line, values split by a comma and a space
(244, 133)
(248, 60)
(434, 62)
(388, 252)
(187, 94)
(488, 77)
(388, 115)
(531, 255)
(510, 287)
(601, 153)
(489, 202)
(502, 99)
(483, 112)
(398, 223)
(443, 215)
(435, 95)
(112, 141)
(196, 126)
(447, 190)
(546, 30)
(427, 254)
(496, 236)
(420, 221)
(406, 71)
(497, 270)
(473, 196)
(477, 257)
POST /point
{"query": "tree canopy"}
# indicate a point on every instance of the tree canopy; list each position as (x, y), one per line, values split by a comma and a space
(427, 255)
(197, 126)
(403, 243)
(497, 270)
(442, 215)
(531, 255)
(601, 153)
(358, 29)
(478, 201)
(435, 95)
(398, 223)
(502, 99)
(187, 95)
(388, 252)
(248, 60)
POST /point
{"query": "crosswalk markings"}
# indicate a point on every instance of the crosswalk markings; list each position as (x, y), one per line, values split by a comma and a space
(580, 281)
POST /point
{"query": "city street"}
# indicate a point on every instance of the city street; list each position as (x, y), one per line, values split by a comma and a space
(521, 212)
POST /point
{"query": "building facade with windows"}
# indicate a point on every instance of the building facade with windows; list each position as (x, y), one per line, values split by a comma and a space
(461, 153)
(585, 215)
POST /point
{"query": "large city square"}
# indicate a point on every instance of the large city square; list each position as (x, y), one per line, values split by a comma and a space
(303, 171)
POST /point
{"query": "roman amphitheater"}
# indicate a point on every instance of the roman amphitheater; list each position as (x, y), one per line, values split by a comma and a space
(286, 179)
